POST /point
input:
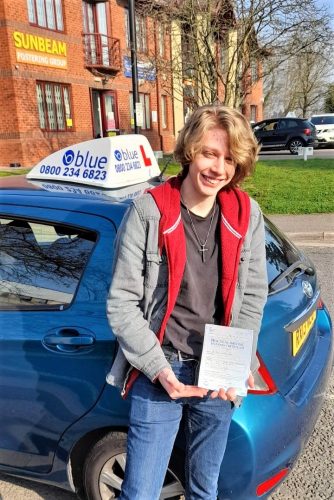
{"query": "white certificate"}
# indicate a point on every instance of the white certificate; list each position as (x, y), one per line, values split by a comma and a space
(226, 358)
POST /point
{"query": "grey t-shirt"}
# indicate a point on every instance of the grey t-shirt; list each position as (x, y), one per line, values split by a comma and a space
(199, 299)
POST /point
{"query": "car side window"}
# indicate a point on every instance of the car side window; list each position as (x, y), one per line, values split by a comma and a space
(269, 127)
(291, 124)
(41, 264)
(322, 120)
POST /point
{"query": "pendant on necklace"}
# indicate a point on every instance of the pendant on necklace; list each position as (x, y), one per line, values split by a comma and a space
(202, 250)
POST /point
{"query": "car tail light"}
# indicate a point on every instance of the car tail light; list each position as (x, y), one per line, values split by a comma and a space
(307, 131)
(264, 383)
(271, 482)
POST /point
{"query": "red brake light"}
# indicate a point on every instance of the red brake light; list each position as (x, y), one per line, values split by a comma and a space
(264, 383)
(307, 131)
(320, 304)
(270, 483)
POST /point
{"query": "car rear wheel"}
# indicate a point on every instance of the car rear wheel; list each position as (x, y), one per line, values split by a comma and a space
(104, 471)
(294, 144)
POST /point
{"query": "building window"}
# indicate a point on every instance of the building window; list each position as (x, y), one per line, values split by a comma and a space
(161, 39)
(164, 120)
(144, 99)
(253, 112)
(141, 33)
(46, 13)
(95, 25)
(54, 106)
(254, 71)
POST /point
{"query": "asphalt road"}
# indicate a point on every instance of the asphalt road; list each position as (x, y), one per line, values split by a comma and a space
(286, 155)
(312, 476)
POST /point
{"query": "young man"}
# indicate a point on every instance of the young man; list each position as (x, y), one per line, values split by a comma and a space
(189, 252)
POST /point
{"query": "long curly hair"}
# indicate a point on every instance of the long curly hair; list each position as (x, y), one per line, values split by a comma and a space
(243, 145)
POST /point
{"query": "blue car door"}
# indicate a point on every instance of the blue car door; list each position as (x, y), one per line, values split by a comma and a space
(55, 343)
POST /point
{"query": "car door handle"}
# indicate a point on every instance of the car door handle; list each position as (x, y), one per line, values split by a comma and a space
(69, 337)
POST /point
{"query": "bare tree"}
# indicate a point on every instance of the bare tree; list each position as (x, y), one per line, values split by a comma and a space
(217, 43)
(299, 85)
(329, 99)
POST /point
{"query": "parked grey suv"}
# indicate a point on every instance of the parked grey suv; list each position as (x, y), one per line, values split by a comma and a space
(285, 133)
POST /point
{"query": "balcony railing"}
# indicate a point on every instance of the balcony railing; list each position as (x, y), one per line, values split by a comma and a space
(102, 52)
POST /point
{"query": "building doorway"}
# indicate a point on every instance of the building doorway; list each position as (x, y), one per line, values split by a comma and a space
(105, 116)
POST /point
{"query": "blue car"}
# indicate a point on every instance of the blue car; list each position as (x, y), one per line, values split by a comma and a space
(61, 422)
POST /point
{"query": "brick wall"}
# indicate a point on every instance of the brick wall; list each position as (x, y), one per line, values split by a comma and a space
(21, 138)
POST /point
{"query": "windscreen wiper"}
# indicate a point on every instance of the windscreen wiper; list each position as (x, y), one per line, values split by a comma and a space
(298, 265)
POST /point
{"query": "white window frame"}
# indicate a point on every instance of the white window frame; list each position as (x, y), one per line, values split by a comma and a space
(145, 101)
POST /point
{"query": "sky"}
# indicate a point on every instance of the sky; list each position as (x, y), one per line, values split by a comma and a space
(330, 5)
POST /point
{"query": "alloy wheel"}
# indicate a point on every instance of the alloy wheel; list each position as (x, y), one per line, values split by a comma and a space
(112, 475)
(294, 145)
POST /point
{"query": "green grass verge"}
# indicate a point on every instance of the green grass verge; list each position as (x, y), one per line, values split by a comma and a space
(293, 186)
(21, 171)
(289, 186)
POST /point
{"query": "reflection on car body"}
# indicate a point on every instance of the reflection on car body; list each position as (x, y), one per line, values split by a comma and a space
(41, 263)
(61, 423)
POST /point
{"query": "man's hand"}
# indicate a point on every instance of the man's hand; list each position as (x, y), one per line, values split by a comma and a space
(250, 381)
(230, 394)
(176, 389)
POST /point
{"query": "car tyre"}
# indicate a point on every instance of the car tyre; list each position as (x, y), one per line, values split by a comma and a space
(104, 471)
(294, 144)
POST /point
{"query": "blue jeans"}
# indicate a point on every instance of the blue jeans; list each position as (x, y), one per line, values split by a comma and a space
(154, 423)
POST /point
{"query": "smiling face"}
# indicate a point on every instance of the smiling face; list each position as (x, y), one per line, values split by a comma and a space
(211, 169)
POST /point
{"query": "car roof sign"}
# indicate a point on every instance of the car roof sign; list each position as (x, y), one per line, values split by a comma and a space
(109, 162)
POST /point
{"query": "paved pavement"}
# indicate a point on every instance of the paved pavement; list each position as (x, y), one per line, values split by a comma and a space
(312, 229)
(286, 155)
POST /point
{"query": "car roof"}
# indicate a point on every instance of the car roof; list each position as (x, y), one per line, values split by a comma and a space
(281, 118)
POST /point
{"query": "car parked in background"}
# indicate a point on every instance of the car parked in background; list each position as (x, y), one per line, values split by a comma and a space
(325, 128)
(61, 423)
(285, 133)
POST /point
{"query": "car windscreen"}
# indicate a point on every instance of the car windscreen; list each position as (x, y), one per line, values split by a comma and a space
(322, 120)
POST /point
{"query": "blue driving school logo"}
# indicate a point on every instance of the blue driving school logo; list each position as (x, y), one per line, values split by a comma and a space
(118, 155)
(126, 159)
(68, 157)
(84, 159)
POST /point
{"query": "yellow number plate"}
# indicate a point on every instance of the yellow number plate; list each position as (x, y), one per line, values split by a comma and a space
(300, 335)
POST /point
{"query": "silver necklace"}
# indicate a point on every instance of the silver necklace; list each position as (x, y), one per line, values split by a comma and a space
(202, 245)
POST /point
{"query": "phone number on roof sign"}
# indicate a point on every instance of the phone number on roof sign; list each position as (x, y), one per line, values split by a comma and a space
(73, 172)
(123, 167)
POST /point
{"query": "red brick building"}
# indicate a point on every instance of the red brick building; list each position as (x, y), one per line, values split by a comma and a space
(65, 75)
